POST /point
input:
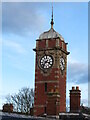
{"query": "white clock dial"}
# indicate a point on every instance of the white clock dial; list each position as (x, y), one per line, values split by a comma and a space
(46, 62)
(62, 63)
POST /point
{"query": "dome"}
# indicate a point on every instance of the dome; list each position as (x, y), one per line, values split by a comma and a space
(50, 34)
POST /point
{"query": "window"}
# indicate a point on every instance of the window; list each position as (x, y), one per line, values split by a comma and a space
(45, 109)
(45, 87)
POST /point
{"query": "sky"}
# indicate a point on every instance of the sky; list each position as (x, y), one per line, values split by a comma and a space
(22, 23)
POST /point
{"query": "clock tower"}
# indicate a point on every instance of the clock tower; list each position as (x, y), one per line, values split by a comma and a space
(50, 73)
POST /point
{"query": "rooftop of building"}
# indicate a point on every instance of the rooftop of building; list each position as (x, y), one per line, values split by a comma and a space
(62, 116)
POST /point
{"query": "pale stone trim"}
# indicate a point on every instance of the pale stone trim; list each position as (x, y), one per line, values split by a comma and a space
(68, 113)
(56, 76)
(36, 77)
(75, 93)
(36, 72)
(51, 81)
(35, 110)
(39, 106)
(62, 45)
(36, 44)
(46, 43)
(57, 71)
(57, 42)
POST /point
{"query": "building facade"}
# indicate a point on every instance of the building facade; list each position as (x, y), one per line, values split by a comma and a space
(50, 73)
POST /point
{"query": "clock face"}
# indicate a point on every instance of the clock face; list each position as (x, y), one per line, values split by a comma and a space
(62, 63)
(46, 62)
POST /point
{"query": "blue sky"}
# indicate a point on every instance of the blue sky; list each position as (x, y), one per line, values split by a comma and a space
(22, 23)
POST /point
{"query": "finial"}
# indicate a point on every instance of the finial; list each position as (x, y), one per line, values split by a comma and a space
(52, 18)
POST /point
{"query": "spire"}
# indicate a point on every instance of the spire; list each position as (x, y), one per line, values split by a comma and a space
(52, 18)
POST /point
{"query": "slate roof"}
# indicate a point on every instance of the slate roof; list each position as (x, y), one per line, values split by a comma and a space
(65, 116)
(14, 116)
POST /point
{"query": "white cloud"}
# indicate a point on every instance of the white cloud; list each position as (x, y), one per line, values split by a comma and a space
(78, 76)
(77, 72)
(22, 18)
(16, 47)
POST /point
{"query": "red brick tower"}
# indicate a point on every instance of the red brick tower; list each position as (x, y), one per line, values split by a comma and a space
(75, 95)
(50, 73)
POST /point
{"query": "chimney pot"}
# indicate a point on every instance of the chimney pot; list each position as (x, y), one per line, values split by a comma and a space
(73, 88)
(77, 87)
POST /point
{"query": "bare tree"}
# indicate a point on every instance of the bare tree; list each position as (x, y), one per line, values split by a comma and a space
(23, 100)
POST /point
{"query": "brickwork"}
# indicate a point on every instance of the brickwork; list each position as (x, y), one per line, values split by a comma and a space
(53, 102)
(53, 77)
(51, 43)
(7, 108)
(75, 95)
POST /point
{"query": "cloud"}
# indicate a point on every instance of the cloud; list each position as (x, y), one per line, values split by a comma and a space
(14, 46)
(77, 72)
(21, 18)
(85, 102)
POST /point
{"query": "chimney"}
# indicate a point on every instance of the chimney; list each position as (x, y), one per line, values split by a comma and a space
(77, 87)
(73, 88)
(8, 107)
(75, 95)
